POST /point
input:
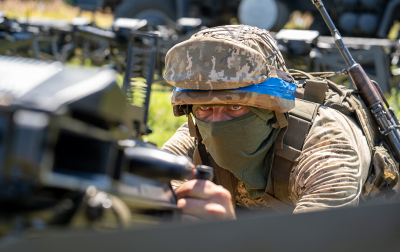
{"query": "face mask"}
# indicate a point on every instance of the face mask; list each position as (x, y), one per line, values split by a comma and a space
(244, 146)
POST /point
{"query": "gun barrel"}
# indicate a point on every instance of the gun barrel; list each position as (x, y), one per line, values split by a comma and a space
(157, 164)
(344, 51)
(369, 92)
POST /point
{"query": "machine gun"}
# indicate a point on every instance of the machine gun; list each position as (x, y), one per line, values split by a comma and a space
(96, 43)
(128, 46)
(53, 39)
(67, 156)
(370, 90)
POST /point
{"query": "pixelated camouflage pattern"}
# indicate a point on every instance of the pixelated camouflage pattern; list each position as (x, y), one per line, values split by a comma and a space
(333, 165)
(226, 57)
(223, 55)
(244, 200)
(252, 37)
(211, 64)
(244, 98)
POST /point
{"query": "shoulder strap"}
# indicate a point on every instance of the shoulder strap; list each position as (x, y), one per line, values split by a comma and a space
(301, 117)
(279, 206)
(315, 90)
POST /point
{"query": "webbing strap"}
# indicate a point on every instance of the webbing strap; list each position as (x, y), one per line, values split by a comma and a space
(288, 152)
(301, 118)
(281, 120)
(203, 154)
(279, 138)
(315, 90)
(305, 110)
(277, 205)
(192, 128)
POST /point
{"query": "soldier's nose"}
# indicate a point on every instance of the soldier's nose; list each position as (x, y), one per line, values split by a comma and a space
(218, 114)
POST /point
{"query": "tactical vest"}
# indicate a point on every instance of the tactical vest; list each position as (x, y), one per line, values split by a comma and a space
(312, 91)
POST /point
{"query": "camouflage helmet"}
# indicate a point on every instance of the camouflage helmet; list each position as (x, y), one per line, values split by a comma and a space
(233, 64)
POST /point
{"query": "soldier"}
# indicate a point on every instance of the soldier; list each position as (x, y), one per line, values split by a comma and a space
(234, 82)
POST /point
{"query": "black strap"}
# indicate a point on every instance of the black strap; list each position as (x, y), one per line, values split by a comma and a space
(221, 176)
(203, 154)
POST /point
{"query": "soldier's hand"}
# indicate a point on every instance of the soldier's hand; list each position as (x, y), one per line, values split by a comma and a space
(204, 200)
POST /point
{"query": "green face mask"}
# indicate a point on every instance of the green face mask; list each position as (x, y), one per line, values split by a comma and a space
(244, 146)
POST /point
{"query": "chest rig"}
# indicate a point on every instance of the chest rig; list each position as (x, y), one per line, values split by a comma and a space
(312, 92)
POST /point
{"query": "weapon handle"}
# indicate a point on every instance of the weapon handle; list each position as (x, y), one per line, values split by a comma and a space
(204, 172)
(157, 164)
(361, 80)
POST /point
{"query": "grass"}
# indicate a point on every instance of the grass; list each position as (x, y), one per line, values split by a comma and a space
(56, 9)
(161, 117)
(162, 121)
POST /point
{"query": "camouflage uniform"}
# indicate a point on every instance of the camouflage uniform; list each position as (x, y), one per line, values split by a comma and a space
(217, 65)
(330, 172)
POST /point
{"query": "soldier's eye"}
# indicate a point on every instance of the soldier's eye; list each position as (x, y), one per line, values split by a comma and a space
(236, 107)
(204, 108)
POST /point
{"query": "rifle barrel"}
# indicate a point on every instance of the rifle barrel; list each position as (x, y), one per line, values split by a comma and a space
(388, 124)
(335, 33)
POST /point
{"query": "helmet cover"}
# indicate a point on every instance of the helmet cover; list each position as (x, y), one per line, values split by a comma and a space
(233, 64)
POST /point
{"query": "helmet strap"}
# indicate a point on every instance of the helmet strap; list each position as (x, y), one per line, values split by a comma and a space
(193, 130)
(282, 123)
(281, 120)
